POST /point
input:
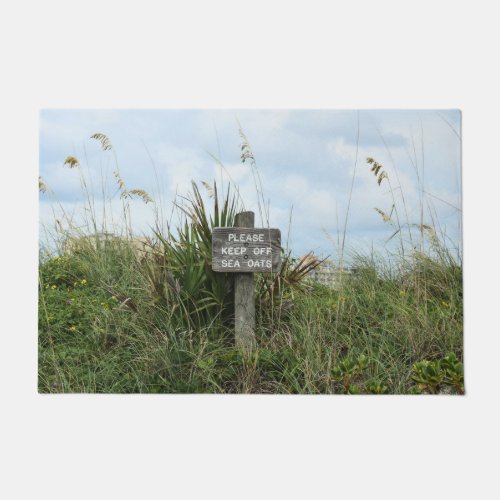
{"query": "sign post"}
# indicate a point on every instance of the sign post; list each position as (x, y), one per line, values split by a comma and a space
(245, 250)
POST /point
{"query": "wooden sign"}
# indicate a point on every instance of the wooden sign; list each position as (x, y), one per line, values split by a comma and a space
(246, 250)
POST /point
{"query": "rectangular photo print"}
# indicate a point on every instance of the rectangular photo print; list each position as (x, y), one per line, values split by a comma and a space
(250, 252)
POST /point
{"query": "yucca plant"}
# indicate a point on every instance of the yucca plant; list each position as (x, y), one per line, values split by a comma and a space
(184, 262)
(276, 292)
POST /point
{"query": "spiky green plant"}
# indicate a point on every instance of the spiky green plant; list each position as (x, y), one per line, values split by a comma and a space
(202, 296)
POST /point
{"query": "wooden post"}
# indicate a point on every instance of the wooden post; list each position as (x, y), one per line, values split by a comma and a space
(244, 250)
(244, 302)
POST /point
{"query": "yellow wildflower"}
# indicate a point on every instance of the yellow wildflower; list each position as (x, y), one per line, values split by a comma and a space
(84, 281)
(53, 287)
(72, 328)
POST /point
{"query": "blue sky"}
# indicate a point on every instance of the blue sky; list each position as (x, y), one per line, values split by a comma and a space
(306, 159)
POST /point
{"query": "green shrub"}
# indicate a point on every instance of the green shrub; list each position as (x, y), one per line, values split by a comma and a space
(433, 376)
(349, 370)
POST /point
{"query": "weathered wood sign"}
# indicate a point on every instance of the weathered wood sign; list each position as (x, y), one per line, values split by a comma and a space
(246, 250)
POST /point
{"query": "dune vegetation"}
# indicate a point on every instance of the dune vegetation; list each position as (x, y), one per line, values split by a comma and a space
(118, 314)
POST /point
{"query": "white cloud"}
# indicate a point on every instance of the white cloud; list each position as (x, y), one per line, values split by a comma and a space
(306, 159)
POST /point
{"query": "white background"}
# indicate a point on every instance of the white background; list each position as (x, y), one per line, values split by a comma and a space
(383, 54)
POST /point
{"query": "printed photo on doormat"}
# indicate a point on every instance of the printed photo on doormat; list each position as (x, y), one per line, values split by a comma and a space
(250, 252)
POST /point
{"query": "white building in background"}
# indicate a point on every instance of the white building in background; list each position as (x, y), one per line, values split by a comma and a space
(140, 245)
(327, 273)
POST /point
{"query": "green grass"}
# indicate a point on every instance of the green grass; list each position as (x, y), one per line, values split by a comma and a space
(91, 339)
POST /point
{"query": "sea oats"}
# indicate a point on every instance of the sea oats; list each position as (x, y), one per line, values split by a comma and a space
(385, 217)
(42, 187)
(71, 162)
(209, 188)
(104, 140)
(141, 194)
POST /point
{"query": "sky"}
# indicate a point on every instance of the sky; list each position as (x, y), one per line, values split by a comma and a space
(312, 164)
